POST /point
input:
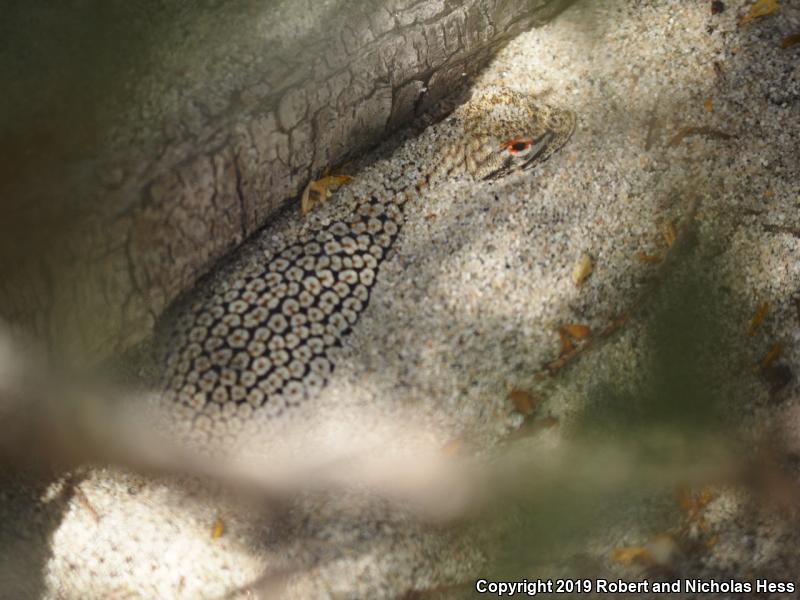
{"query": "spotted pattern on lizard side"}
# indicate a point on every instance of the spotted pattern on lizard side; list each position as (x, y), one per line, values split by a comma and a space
(267, 340)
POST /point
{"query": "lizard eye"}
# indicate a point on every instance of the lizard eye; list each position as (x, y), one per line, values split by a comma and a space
(518, 146)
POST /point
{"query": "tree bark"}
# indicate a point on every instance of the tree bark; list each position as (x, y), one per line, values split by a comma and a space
(146, 140)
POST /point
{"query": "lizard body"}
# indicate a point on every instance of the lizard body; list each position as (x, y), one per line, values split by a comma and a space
(265, 340)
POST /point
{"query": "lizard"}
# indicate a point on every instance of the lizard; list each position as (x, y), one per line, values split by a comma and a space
(264, 340)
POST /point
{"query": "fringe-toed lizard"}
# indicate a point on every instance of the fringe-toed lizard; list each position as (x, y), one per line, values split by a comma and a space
(265, 339)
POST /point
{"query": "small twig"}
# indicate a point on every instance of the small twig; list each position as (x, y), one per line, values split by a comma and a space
(793, 231)
(84, 502)
(706, 131)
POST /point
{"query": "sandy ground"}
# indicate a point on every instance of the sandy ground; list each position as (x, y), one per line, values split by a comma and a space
(469, 306)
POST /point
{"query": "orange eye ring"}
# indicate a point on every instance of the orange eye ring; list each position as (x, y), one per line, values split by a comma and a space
(517, 146)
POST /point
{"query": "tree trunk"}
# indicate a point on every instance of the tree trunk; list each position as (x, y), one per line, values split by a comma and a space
(146, 140)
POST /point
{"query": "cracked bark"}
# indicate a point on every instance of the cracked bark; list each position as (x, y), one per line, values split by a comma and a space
(124, 186)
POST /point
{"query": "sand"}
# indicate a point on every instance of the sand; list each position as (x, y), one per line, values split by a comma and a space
(469, 305)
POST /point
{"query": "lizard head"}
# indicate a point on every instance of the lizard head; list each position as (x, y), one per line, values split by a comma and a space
(504, 132)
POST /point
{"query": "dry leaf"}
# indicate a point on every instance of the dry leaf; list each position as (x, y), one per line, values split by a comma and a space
(628, 555)
(318, 191)
(705, 496)
(649, 258)
(582, 269)
(567, 333)
(790, 40)
(756, 320)
(578, 332)
(774, 353)
(692, 503)
(218, 529)
(709, 105)
(524, 401)
(669, 232)
(760, 8)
